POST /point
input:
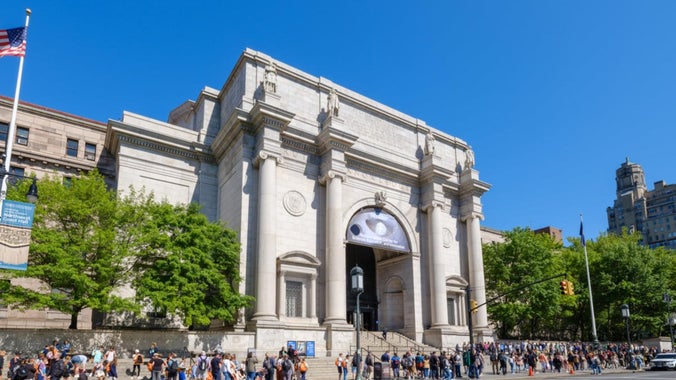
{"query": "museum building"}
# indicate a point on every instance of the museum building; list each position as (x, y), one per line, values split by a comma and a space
(317, 179)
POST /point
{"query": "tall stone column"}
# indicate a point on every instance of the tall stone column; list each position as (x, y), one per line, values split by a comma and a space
(333, 142)
(267, 238)
(471, 190)
(476, 268)
(335, 250)
(439, 314)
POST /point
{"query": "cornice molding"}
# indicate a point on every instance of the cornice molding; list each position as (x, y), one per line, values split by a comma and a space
(151, 145)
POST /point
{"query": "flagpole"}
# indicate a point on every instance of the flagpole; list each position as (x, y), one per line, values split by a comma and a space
(591, 299)
(11, 133)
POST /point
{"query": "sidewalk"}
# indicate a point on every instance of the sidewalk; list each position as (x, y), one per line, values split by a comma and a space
(552, 375)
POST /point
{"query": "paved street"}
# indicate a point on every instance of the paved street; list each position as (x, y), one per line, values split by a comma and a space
(607, 374)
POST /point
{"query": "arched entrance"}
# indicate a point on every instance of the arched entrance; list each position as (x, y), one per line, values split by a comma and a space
(374, 240)
(368, 301)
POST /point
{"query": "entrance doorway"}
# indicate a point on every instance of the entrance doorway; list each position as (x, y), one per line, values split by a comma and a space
(368, 301)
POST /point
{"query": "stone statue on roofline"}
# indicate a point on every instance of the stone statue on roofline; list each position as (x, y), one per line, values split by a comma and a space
(270, 82)
(429, 144)
(469, 159)
(333, 104)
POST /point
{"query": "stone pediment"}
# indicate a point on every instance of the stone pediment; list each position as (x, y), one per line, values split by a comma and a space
(300, 258)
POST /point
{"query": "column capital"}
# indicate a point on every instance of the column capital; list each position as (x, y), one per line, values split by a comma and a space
(471, 215)
(331, 175)
(264, 155)
(431, 205)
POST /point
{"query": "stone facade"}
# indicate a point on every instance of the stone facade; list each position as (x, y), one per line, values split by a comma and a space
(317, 179)
(637, 209)
(41, 149)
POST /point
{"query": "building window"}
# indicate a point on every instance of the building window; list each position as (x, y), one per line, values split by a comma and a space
(4, 129)
(294, 299)
(450, 306)
(90, 151)
(22, 136)
(17, 171)
(72, 147)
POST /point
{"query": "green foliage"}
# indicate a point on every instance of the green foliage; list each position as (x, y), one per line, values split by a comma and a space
(191, 266)
(88, 246)
(524, 258)
(74, 249)
(621, 271)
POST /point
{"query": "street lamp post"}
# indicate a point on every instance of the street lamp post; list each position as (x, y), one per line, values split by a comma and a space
(31, 195)
(667, 300)
(357, 275)
(625, 314)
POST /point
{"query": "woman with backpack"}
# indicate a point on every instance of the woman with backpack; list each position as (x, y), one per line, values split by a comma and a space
(137, 359)
(202, 366)
(172, 366)
(251, 361)
(302, 368)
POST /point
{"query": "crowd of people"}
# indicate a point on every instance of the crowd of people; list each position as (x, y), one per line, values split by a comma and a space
(55, 361)
(503, 358)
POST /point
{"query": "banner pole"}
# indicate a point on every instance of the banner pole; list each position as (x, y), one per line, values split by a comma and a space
(11, 133)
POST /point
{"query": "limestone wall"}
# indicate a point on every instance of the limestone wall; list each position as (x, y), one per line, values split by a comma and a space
(126, 341)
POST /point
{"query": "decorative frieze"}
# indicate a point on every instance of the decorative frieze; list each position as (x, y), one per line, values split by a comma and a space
(299, 146)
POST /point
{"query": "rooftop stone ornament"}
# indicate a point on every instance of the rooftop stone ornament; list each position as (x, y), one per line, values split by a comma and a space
(429, 144)
(469, 159)
(333, 104)
(270, 82)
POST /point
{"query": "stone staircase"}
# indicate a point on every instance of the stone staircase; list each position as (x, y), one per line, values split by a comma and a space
(324, 368)
(396, 342)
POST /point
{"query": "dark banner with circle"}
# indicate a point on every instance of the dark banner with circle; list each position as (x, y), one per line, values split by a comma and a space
(374, 227)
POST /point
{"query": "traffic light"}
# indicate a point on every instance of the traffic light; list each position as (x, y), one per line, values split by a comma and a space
(473, 306)
(564, 287)
(571, 291)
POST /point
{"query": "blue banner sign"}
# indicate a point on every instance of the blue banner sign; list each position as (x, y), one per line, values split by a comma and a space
(15, 234)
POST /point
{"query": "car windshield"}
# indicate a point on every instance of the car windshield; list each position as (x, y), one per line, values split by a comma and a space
(665, 356)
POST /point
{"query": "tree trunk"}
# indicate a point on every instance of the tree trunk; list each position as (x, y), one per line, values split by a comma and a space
(73, 320)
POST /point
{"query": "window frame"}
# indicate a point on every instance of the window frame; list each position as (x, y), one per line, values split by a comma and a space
(87, 153)
(19, 138)
(69, 149)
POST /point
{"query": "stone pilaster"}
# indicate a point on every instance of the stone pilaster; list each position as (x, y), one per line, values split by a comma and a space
(268, 122)
(436, 264)
(471, 189)
(333, 142)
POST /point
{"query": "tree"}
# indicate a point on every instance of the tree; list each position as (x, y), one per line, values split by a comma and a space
(524, 258)
(88, 244)
(624, 271)
(75, 251)
(191, 266)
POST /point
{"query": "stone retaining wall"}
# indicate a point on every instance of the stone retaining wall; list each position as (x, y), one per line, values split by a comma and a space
(126, 341)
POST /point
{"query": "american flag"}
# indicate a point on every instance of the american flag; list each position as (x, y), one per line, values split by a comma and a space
(13, 42)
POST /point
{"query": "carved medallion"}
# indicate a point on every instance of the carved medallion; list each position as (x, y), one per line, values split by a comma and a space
(294, 203)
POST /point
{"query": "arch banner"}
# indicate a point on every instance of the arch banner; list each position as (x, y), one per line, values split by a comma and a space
(375, 227)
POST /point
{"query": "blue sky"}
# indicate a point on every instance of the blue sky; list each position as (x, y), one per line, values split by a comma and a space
(552, 95)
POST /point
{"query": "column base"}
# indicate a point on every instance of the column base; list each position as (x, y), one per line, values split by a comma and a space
(339, 336)
(434, 336)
